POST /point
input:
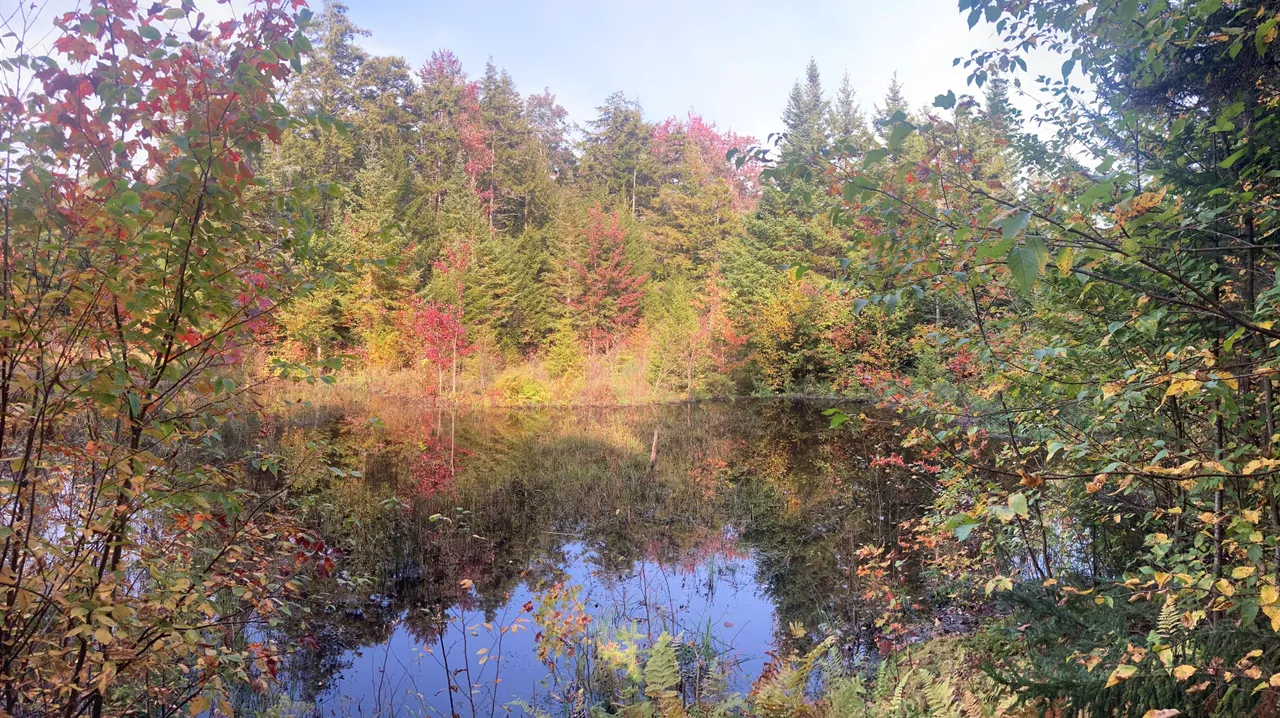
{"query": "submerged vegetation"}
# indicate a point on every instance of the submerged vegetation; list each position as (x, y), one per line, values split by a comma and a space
(1060, 290)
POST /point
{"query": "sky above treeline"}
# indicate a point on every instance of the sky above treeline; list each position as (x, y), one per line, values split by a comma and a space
(732, 61)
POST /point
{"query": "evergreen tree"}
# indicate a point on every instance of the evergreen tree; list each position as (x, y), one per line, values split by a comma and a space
(550, 125)
(894, 102)
(805, 117)
(516, 171)
(848, 123)
(616, 153)
(323, 155)
(1004, 117)
(696, 206)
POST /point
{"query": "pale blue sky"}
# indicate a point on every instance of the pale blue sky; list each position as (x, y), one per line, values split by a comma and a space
(733, 62)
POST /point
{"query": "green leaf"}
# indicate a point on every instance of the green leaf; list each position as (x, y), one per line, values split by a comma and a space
(1037, 247)
(946, 101)
(1014, 224)
(1128, 10)
(1024, 265)
(1067, 67)
(1262, 37)
(1235, 157)
(174, 13)
(662, 670)
(135, 406)
(900, 133)
(963, 530)
(873, 157)
(1018, 504)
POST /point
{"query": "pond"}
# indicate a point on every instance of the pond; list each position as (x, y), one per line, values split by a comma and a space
(518, 562)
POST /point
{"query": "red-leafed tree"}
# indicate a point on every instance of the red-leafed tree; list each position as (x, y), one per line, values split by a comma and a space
(607, 291)
(439, 334)
(704, 148)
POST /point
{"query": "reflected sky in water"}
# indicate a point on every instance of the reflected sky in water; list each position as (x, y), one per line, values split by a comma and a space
(512, 555)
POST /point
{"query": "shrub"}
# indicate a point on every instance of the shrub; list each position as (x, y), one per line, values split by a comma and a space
(515, 389)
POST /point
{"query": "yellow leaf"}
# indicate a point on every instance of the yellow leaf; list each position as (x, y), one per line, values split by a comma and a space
(1268, 595)
(198, 705)
(1273, 612)
(104, 636)
(1224, 587)
(1243, 571)
(1162, 713)
(1275, 680)
(1184, 671)
(1121, 674)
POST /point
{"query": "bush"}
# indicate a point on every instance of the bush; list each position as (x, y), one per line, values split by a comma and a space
(564, 352)
(514, 389)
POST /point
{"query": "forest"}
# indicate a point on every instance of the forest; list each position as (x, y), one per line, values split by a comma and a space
(483, 239)
(976, 396)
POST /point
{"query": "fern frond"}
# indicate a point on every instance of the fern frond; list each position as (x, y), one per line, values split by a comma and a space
(661, 671)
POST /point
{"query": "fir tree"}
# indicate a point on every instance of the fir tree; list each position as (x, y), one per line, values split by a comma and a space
(616, 153)
(894, 102)
(1004, 117)
(805, 117)
(848, 123)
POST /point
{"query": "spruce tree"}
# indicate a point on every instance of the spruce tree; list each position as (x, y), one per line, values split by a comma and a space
(805, 118)
(848, 123)
(894, 102)
(616, 153)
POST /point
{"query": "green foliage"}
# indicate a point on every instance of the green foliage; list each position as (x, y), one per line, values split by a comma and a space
(661, 671)
(519, 389)
(565, 355)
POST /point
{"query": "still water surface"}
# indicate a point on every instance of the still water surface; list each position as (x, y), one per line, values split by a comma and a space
(507, 563)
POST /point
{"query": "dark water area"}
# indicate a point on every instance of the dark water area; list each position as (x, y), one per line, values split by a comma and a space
(521, 562)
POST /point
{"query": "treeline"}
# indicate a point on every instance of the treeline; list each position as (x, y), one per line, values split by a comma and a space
(470, 233)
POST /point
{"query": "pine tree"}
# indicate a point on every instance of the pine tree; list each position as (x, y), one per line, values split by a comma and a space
(848, 123)
(894, 102)
(805, 118)
(314, 156)
(516, 170)
(551, 127)
(616, 155)
(1004, 117)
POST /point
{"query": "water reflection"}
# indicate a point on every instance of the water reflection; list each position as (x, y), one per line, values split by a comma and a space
(511, 563)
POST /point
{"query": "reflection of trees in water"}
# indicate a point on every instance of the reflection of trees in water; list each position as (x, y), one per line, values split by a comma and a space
(768, 477)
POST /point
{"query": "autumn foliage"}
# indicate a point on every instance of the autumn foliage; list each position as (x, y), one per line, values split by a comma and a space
(607, 291)
(141, 256)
